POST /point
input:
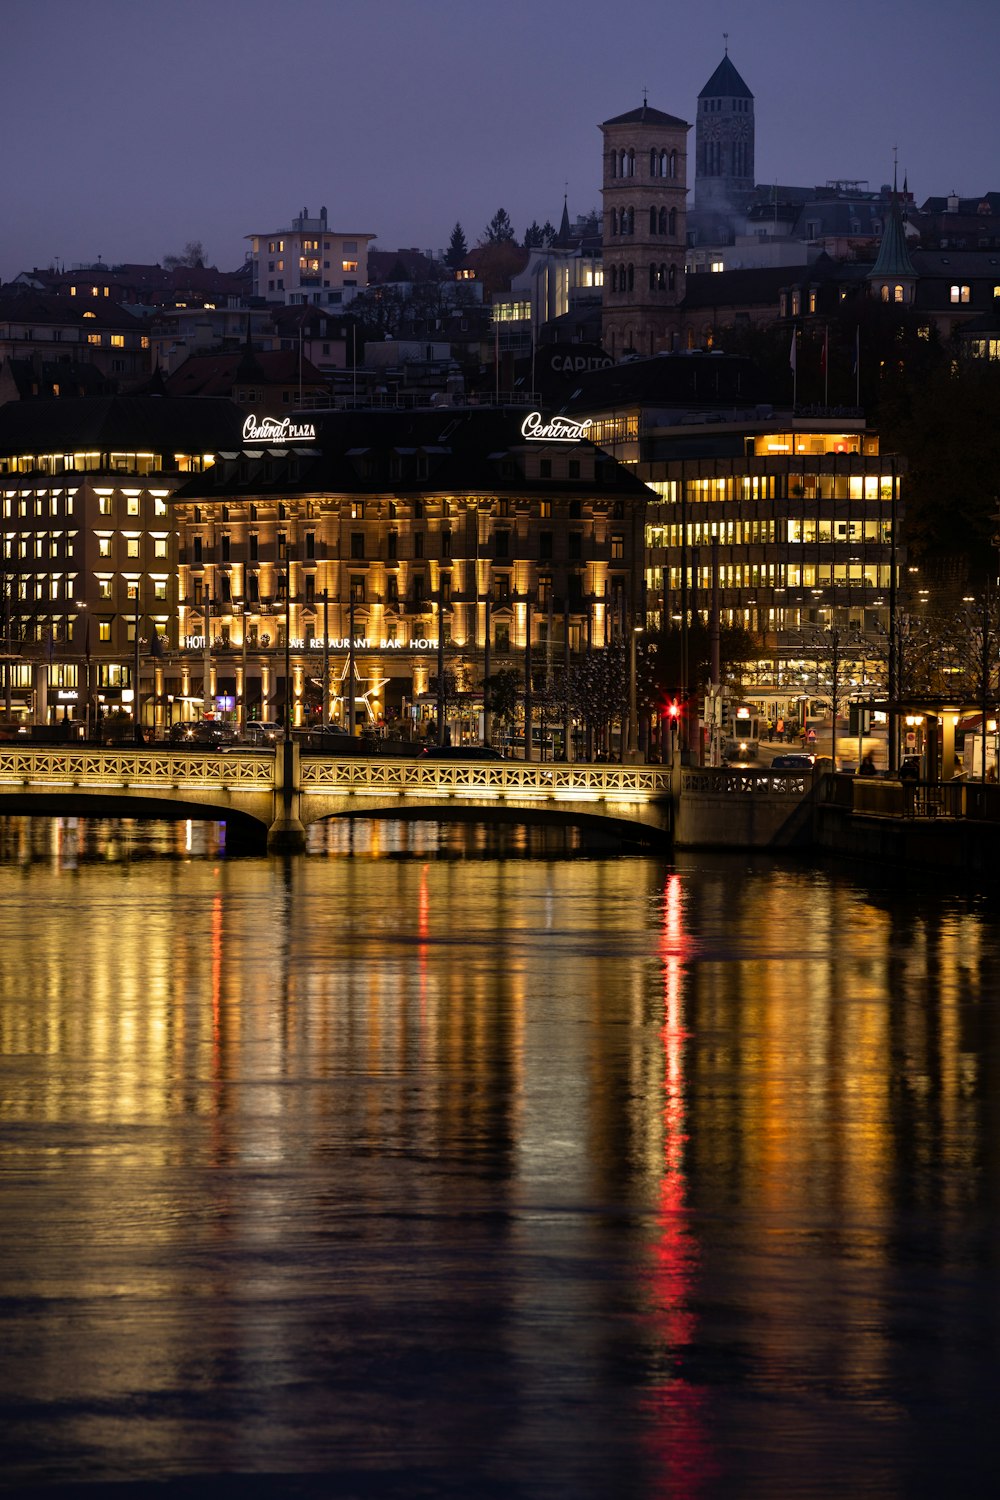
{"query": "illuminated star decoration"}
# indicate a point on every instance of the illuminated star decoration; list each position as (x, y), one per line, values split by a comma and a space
(370, 692)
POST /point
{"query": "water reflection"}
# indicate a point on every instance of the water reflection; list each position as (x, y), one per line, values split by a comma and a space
(501, 1175)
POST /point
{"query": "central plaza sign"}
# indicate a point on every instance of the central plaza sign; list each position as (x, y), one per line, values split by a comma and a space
(270, 430)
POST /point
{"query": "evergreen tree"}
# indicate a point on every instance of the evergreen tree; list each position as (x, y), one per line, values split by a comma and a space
(457, 248)
(500, 230)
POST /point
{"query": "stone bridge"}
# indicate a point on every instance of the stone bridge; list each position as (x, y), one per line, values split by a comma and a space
(277, 794)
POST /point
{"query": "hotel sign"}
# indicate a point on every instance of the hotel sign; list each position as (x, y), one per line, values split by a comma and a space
(555, 430)
(270, 430)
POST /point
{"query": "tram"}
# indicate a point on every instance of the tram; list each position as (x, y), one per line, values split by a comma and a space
(742, 738)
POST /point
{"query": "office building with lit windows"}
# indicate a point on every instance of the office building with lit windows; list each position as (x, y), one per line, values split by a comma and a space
(792, 519)
(370, 550)
(89, 552)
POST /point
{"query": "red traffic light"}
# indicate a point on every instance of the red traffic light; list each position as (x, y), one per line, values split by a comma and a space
(673, 709)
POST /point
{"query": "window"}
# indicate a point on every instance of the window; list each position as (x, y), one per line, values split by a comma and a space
(418, 544)
(960, 294)
(545, 544)
(118, 341)
(357, 589)
(392, 591)
(348, 265)
(311, 544)
(132, 546)
(617, 546)
(159, 546)
(501, 588)
(132, 505)
(503, 544)
(393, 544)
(104, 546)
(446, 544)
(575, 542)
(104, 588)
(574, 468)
(545, 468)
(254, 546)
(104, 630)
(357, 544)
(501, 637)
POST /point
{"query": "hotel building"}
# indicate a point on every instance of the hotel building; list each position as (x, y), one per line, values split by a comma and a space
(398, 544)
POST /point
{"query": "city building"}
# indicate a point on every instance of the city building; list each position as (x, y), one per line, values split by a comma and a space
(309, 263)
(373, 550)
(89, 563)
(789, 522)
(724, 146)
(50, 331)
(644, 231)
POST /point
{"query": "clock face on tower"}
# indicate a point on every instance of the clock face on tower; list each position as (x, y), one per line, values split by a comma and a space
(741, 130)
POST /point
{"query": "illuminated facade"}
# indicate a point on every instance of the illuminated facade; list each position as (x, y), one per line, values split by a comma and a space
(381, 534)
(791, 518)
(89, 551)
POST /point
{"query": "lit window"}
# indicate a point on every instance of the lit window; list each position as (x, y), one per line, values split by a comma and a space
(159, 546)
(348, 265)
(104, 546)
(132, 546)
(104, 588)
(118, 341)
(104, 630)
(104, 505)
(960, 294)
(132, 505)
(95, 338)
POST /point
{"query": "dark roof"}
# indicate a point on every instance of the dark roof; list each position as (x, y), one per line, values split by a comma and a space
(647, 115)
(465, 450)
(682, 380)
(215, 374)
(145, 424)
(725, 83)
(26, 305)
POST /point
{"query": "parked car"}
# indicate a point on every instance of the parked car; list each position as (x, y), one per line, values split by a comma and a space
(202, 732)
(795, 762)
(262, 731)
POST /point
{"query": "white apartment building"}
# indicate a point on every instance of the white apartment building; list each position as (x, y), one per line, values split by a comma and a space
(309, 263)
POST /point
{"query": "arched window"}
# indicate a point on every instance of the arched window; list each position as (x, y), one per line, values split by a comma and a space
(652, 277)
(672, 222)
(614, 164)
(663, 221)
(672, 279)
(631, 164)
(885, 294)
(898, 293)
(665, 165)
(673, 164)
(652, 221)
(653, 161)
(628, 226)
(614, 221)
(614, 278)
(631, 277)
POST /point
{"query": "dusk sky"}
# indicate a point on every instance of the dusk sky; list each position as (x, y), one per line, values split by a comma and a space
(131, 127)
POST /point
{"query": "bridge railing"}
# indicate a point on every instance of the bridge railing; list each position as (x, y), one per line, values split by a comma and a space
(115, 768)
(568, 780)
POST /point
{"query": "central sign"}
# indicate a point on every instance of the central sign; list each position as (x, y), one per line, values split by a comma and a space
(556, 430)
(270, 430)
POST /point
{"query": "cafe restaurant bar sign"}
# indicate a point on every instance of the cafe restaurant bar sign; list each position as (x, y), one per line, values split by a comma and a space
(554, 430)
(270, 430)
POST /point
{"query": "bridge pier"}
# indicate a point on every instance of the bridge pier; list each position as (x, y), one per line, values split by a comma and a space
(287, 834)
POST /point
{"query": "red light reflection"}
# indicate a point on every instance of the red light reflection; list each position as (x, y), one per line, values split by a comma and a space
(678, 1438)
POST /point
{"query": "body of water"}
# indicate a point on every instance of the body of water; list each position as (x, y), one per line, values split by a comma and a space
(454, 1162)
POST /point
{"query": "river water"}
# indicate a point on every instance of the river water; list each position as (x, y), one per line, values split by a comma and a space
(459, 1163)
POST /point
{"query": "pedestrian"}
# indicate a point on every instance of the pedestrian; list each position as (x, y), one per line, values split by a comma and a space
(867, 766)
(781, 729)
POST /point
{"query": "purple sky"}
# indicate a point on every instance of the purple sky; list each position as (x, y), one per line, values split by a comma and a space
(133, 126)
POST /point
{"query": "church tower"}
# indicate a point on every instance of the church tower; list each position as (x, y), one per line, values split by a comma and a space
(724, 144)
(645, 231)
